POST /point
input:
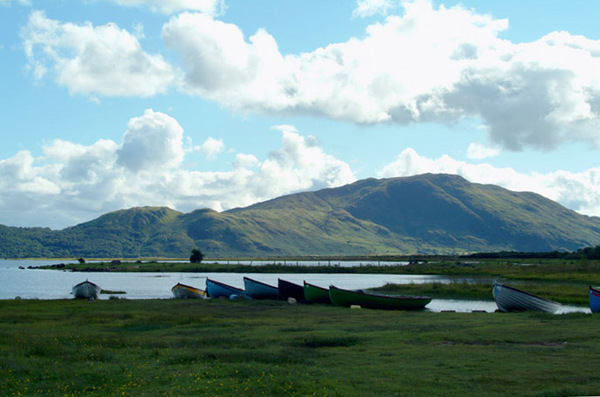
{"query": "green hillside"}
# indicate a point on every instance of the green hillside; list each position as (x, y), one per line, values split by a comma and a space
(425, 214)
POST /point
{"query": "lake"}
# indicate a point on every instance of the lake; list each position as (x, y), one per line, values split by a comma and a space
(55, 284)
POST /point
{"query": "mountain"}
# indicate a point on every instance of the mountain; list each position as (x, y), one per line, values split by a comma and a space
(426, 214)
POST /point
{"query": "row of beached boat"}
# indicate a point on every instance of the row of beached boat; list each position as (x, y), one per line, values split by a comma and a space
(508, 298)
(306, 293)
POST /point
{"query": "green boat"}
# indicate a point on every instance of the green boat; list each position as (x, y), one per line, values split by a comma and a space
(344, 297)
(316, 294)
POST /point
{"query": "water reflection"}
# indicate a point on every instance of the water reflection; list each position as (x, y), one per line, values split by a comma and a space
(461, 306)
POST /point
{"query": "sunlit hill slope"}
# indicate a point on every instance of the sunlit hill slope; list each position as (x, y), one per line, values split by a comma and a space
(426, 214)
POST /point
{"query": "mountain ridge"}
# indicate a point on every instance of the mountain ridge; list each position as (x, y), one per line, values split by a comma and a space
(423, 214)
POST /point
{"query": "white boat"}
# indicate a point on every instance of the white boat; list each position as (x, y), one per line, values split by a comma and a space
(183, 291)
(86, 290)
(510, 299)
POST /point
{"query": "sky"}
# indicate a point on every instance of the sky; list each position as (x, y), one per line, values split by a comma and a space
(113, 104)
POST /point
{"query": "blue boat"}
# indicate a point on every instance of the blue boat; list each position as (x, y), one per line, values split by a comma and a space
(259, 290)
(594, 300)
(217, 289)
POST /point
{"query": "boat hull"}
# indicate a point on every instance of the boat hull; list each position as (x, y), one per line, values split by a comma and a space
(510, 299)
(594, 300)
(216, 289)
(288, 290)
(259, 290)
(86, 290)
(183, 291)
(343, 297)
(316, 294)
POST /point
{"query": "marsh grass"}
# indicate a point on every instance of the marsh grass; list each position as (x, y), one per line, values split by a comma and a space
(227, 348)
(111, 292)
(563, 292)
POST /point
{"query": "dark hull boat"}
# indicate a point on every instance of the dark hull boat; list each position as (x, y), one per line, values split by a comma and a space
(259, 290)
(509, 299)
(288, 290)
(344, 297)
(183, 291)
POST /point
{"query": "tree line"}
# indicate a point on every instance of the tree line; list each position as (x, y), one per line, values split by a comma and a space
(582, 253)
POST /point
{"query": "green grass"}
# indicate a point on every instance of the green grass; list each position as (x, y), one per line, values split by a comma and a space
(232, 348)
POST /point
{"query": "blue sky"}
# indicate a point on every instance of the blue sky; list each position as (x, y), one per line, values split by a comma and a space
(112, 104)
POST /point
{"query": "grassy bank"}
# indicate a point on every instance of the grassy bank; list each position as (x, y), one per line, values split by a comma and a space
(232, 348)
(553, 270)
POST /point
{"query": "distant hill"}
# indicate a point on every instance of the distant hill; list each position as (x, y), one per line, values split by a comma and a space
(425, 214)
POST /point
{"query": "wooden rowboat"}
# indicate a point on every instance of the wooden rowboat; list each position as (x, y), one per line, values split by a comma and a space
(86, 290)
(216, 289)
(316, 294)
(510, 299)
(183, 291)
(288, 290)
(259, 290)
(594, 300)
(344, 297)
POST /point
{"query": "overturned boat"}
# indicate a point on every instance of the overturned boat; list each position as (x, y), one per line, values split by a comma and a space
(183, 291)
(344, 297)
(86, 290)
(510, 299)
(217, 289)
(315, 294)
(287, 290)
(259, 290)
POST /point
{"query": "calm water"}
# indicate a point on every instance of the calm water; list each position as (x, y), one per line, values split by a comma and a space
(56, 284)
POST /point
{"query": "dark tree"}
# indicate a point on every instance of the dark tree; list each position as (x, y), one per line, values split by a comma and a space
(196, 256)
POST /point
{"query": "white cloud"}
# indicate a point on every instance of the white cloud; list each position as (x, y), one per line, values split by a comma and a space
(284, 127)
(245, 161)
(220, 64)
(428, 65)
(20, 171)
(477, 151)
(152, 141)
(577, 191)
(301, 164)
(72, 183)
(367, 8)
(212, 148)
(210, 7)
(104, 60)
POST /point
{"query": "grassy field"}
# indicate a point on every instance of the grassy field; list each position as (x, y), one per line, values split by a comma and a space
(232, 348)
